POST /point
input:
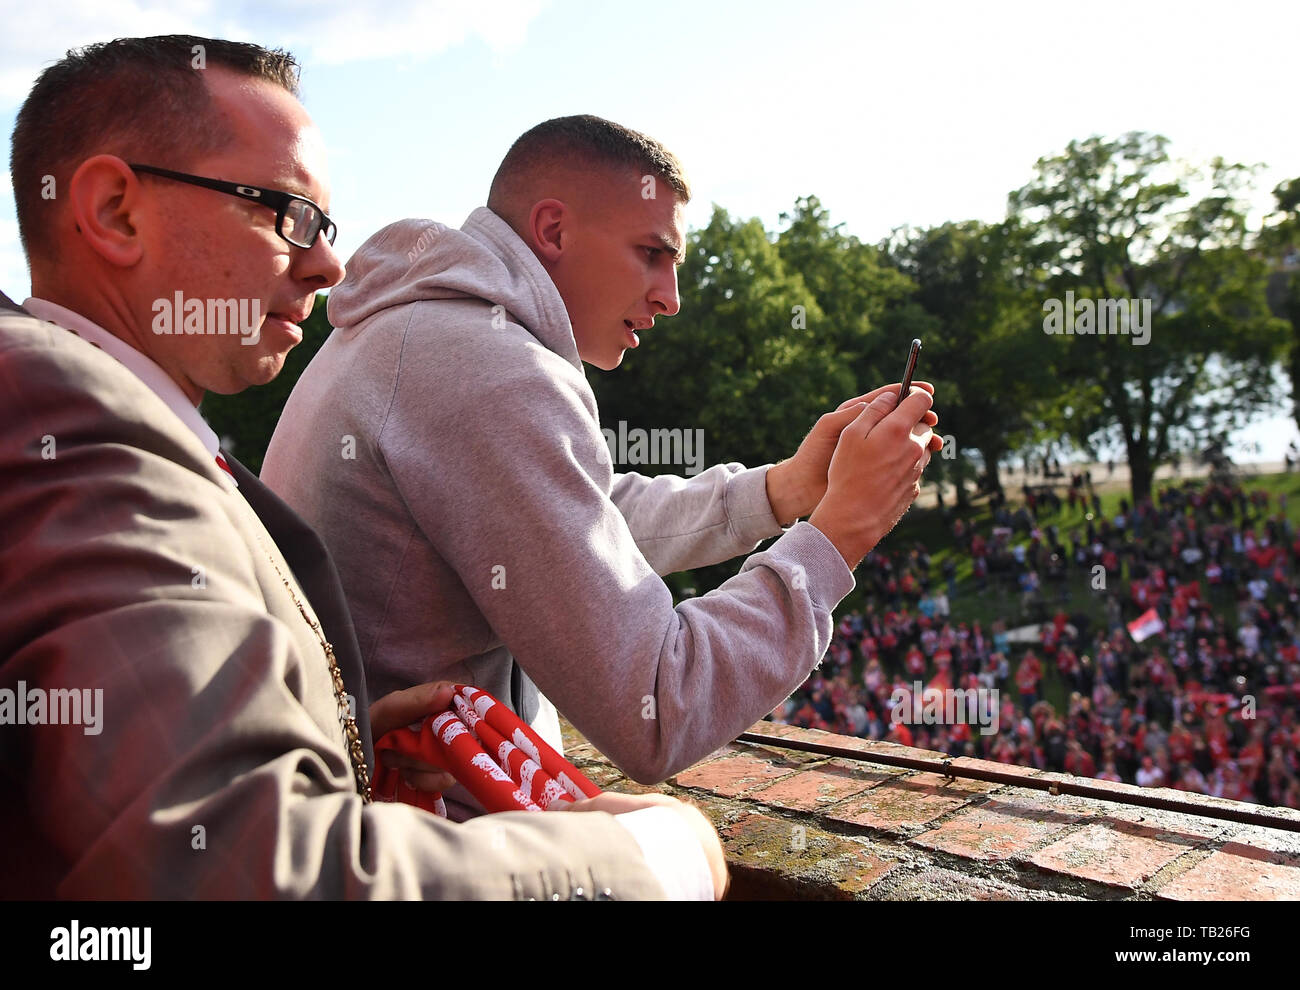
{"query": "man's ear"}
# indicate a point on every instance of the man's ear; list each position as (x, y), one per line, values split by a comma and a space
(548, 223)
(104, 194)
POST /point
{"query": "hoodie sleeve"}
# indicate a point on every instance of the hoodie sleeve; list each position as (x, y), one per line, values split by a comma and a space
(680, 523)
(511, 484)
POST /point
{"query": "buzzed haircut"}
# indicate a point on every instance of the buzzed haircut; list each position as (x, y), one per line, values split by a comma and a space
(584, 142)
(142, 99)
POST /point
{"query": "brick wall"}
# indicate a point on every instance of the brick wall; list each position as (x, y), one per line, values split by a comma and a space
(802, 826)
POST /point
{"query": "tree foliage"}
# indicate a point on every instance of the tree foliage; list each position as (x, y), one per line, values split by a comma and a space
(1118, 219)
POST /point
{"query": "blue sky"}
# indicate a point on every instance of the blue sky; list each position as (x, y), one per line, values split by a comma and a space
(891, 113)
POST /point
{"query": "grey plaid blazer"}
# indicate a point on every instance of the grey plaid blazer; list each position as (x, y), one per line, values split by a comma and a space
(216, 767)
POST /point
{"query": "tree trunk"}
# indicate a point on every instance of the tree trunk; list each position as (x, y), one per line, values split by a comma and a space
(1141, 474)
(991, 459)
(1291, 310)
(959, 482)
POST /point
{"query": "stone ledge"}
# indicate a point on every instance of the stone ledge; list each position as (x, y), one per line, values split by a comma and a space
(802, 826)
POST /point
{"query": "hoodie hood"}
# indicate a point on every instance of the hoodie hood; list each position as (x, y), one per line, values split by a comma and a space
(414, 260)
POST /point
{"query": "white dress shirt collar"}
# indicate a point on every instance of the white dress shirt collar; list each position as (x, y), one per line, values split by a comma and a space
(158, 381)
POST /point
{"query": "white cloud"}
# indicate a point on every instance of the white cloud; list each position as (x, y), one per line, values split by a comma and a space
(13, 266)
(44, 32)
(349, 32)
(330, 32)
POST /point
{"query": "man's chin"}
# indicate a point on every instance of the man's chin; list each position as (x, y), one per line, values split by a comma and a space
(261, 372)
(603, 362)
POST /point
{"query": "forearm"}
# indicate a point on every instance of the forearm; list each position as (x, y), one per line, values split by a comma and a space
(658, 688)
(682, 523)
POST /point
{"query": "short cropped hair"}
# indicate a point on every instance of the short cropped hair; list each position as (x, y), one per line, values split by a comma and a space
(586, 141)
(142, 99)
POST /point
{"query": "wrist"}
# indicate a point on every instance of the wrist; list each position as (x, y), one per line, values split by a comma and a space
(846, 537)
(788, 498)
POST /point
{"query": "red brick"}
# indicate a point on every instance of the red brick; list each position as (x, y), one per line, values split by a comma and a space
(816, 788)
(857, 743)
(953, 785)
(796, 859)
(865, 870)
(1109, 852)
(995, 831)
(1237, 873)
(938, 884)
(777, 729)
(732, 775)
(753, 825)
(912, 800)
(1008, 768)
(1269, 839)
(1097, 782)
(1172, 826)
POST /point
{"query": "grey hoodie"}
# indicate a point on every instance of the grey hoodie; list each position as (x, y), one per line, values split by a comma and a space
(445, 443)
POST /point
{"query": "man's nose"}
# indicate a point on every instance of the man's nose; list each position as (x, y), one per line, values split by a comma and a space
(664, 293)
(320, 264)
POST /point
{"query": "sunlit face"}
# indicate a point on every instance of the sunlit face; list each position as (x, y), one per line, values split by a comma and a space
(618, 270)
(210, 245)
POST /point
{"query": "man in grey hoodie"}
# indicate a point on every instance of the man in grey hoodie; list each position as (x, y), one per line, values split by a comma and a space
(446, 444)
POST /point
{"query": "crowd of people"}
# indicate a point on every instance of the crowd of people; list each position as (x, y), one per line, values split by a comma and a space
(1191, 680)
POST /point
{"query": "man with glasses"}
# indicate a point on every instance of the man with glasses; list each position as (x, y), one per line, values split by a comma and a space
(181, 708)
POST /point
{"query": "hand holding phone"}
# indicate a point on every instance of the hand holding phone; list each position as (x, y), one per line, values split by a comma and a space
(920, 432)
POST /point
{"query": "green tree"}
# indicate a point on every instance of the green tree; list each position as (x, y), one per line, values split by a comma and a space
(1118, 219)
(852, 286)
(1280, 240)
(971, 307)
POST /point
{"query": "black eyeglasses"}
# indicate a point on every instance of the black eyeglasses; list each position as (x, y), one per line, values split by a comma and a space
(299, 221)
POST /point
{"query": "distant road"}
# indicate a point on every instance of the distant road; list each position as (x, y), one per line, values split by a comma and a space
(1103, 481)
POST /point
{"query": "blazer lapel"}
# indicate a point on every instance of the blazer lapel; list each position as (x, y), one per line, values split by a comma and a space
(306, 554)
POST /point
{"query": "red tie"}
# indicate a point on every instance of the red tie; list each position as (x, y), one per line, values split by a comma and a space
(221, 463)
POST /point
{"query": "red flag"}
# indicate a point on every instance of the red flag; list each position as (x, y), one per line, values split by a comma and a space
(1145, 626)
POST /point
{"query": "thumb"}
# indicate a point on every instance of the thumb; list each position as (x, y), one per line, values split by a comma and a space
(833, 423)
(413, 704)
(879, 407)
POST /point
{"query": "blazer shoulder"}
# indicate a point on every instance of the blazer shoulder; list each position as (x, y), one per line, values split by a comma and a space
(53, 383)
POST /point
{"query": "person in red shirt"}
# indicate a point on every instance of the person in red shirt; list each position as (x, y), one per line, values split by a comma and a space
(1067, 663)
(1251, 757)
(1079, 761)
(900, 733)
(1216, 740)
(1004, 751)
(915, 662)
(1181, 744)
(1028, 674)
(942, 679)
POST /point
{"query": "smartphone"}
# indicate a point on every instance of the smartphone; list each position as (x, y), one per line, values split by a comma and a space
(909, 369)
